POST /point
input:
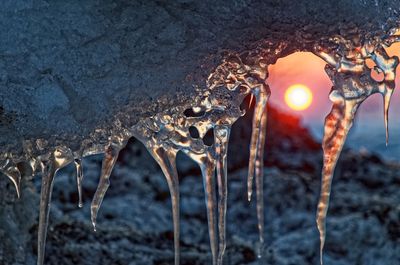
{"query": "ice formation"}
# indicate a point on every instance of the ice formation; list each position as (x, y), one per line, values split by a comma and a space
(353, 83)
(215, 109)
(219, 107)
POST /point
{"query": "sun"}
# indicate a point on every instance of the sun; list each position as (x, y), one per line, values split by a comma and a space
(298, 97)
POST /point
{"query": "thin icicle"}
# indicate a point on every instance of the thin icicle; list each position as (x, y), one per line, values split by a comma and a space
(110, 157)
(337, 125)
(14, 175)
(259, 175)
(261, 95)
(208, 171)
(386, 105)
(167, 161)
(79, 178)
(386, 65)
(221, 149)
(60, 158)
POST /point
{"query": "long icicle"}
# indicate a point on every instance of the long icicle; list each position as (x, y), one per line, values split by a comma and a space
(261, 101)
(110, 157)
(60, 158)
(221, 149)
(208, 171)
(45, 198)
(337, 125)
(14, 175)
(259, 175)
(79, 179)
(167, 161)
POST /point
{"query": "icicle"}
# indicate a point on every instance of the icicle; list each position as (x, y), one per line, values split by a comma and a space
(79, 178)
(60, 158)
(110, 157)
(353, 83)
(387, 65)
(386, 104)
(167, 161)
(221, 149)
(14, 175)
(208, 170)
(259, 174)
(256, 161)
(337, 125)
(45, 198)
(261, 94)
(207, 166)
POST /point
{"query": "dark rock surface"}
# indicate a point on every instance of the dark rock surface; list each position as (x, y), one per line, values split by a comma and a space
(135, 223)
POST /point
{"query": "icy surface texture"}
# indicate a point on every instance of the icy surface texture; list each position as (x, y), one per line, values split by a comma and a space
(213, 114)
(353, 82)
(56, 120)
(103, 67)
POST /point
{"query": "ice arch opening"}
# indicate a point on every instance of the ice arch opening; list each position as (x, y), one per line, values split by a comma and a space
(301, 68)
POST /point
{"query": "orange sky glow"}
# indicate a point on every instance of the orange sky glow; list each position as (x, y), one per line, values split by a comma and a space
(308, 69)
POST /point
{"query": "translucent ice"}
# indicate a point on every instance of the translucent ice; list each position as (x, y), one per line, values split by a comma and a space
(61, 157)
(221, 149)
(167, 161)
(79, 178)
(110, 157)
(13, 173)
(353, 83)
(351, 65)
(166, 134)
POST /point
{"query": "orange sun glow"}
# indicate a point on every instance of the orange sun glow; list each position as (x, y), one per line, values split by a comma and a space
(298, 97)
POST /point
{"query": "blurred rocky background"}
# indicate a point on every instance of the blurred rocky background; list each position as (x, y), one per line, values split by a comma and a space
(135, 223)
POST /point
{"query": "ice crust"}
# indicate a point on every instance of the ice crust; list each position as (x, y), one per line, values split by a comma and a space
(212, 110)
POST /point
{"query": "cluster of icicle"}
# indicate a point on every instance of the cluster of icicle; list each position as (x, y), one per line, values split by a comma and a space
(164, 135)
(357, 70)
(349, 65)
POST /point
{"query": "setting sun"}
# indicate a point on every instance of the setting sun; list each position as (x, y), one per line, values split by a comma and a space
(298, 97)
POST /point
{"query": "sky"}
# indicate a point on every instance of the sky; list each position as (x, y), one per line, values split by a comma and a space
(368, 132)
